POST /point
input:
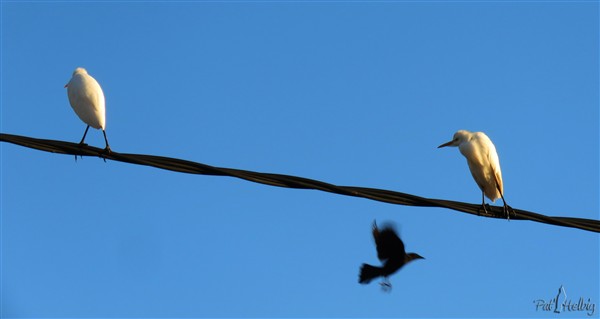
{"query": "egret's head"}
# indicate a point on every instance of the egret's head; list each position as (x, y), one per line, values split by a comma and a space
(79, 71)
(458, 138)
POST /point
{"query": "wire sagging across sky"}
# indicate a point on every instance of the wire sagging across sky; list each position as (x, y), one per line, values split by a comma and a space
(288, 181)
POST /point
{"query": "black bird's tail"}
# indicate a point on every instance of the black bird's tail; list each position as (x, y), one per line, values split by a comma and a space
(368, 273)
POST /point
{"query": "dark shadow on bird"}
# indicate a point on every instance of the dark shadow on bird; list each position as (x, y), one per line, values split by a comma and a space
(390, 250)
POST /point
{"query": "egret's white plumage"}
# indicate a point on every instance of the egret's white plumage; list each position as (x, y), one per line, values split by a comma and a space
(87, 100)
(483, 162)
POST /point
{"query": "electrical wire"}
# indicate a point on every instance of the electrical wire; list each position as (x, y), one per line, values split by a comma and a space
(280, 180)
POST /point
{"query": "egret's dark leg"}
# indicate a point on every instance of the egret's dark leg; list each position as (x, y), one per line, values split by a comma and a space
(84, 134)
(107, 148)
(483, 204)
(82, 139)
(507, 208)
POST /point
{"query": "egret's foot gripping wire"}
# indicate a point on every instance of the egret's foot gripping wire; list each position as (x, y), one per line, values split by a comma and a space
(106, 151)
(485, 211)
(81, 144)
(508, 210)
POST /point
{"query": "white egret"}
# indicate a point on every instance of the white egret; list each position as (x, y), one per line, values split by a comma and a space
(87, 100)
(483, 162)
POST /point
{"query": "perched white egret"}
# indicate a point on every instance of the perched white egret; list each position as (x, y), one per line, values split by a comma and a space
(87, 100)
(483, 162)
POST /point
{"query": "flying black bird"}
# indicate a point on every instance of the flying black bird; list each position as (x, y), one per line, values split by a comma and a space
(390, 250)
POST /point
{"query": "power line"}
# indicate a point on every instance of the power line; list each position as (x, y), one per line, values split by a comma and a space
(280, 180)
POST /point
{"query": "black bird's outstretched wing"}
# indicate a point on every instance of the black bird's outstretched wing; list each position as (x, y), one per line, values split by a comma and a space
(389, 245)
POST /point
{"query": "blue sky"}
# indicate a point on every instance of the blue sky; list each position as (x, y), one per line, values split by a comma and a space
(351, 93)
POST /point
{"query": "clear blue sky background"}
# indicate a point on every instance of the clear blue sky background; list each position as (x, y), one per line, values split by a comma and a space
(351, 93)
